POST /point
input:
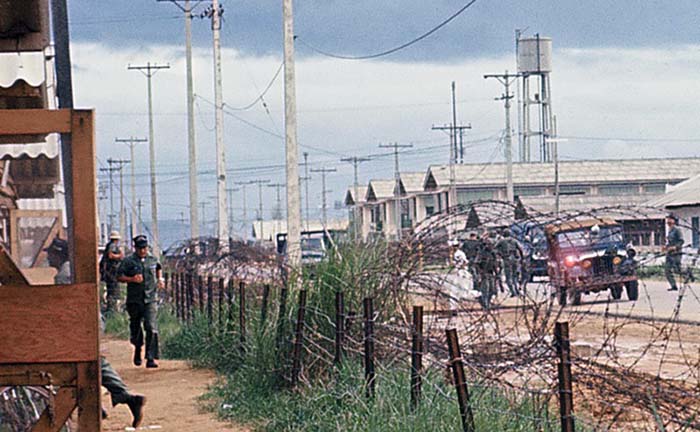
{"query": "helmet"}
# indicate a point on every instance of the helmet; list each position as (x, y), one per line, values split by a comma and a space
(506, 233)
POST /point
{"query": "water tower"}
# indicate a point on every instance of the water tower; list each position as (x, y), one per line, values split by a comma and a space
(534, 56)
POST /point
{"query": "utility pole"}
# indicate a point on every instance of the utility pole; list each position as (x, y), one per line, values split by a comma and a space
(122, 211)
(149, 70)
(203, 205)
(306, 180)
(245, 209)
(260, 184)
(397, 177)
(454, 130)
(110, 216)
(292, 150)
(356, 161)
(102, 196)
(277, 215)
(222, 232)
(139, 205)
(324, 205)
(507, 79)
(131, 142)
(191, 145)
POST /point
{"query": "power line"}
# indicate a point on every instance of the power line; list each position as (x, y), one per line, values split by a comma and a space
(395, 49)
(259, 98)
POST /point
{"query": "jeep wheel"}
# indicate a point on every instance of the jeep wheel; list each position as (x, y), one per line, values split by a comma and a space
(632, 288)
(616, 292)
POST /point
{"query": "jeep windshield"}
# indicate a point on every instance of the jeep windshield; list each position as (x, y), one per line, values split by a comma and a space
(587, 238)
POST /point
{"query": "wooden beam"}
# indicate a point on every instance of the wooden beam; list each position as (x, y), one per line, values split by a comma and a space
(46, 324)
(64, 404)
(37, 374)
(89, 405)
(34, 121)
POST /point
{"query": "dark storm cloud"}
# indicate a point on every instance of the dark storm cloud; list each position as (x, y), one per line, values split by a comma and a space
(367, 26)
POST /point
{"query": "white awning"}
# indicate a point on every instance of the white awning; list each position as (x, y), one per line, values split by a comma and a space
(28, 66)
(48, 148)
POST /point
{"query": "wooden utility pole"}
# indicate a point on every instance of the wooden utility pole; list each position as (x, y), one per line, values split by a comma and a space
(397, 188)
(131, 142)
(507, 79)
(245, 209)
(306, 180)
(149, 70)
(356, 161)
(324, 204)
(292, 150)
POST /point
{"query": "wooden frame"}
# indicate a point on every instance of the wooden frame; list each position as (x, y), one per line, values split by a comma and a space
(16, 214)
(49, 335)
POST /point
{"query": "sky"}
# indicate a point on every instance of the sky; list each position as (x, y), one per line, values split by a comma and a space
(623, 84)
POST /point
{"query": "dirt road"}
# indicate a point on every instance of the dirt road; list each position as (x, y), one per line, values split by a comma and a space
(171, 391)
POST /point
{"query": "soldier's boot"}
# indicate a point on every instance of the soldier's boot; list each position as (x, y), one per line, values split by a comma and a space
(136, 403)
(137, 355)
(151, 364)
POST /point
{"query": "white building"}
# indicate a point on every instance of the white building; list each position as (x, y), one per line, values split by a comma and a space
(683, 200)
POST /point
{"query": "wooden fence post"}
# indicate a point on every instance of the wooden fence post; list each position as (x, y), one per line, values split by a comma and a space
(167, 282)
(210, 299)
(263, 307)
(221, 303)
(282, 316)
(241, 313)
(183, 289)
(176, 293)
(190, 297)
(456, 361)
(566, 397)
(369, 347)
(229, 288)
(416, 356)
(339, 327)
(200, 293)
(298, 339)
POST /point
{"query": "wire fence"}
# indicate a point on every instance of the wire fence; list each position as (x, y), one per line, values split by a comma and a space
(564, 352)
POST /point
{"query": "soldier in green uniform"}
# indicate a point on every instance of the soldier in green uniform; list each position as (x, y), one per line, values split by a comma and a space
(674, 251)
(486, 269)
(143, 275)
(511, 255)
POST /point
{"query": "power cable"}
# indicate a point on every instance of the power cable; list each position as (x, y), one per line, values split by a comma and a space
(392, 50)
(262, 94)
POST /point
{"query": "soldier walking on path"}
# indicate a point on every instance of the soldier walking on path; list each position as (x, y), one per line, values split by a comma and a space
(486, 269)
(674, 251)
(109, 264)
(143, 275)
(511, 255)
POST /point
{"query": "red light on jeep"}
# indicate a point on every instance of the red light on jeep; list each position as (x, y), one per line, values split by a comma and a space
(570, 261)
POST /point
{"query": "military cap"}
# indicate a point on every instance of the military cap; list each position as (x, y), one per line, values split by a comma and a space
(58, 246)
(140, 241)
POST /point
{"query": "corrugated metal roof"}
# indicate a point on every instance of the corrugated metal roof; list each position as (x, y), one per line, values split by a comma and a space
(378, 190)
(26, 66)
(412, 182)
(591, 171)
(683, 194)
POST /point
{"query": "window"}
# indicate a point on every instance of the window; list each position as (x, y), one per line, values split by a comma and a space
(573, 190)
(466, 196)
(429, 203)
(695, 224)
(655, 188)
(618, 189)
(528, 191)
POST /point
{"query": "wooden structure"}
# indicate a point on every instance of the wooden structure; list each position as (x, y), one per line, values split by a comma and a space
(49, 334)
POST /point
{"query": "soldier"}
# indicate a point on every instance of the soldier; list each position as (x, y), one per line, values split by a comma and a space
(459, 260)
(143, 275)
(486, 269)
(109, 264)
(470, 247)
(511, 255)
(674, 251)
(57, 255)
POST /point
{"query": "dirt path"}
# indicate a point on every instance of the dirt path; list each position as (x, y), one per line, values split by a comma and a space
(171, 392)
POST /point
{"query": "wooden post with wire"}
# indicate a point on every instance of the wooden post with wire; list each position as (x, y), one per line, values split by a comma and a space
(210, 299)
(460, 381)
(241, 313)
(176, 295)
(566, 398)
(200, 293)
(263, 307)
(190, 297)
(339, 327)
(416, 356)
(369, 347)
(298, 339)
(229, 288)
(222, 288)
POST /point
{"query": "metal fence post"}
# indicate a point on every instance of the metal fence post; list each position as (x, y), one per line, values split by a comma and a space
(465, 408)
(263, 307)
(210, 295)
(566, 398)
(416, 356)
(298, 339)
(369, 347)
(339, 327)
